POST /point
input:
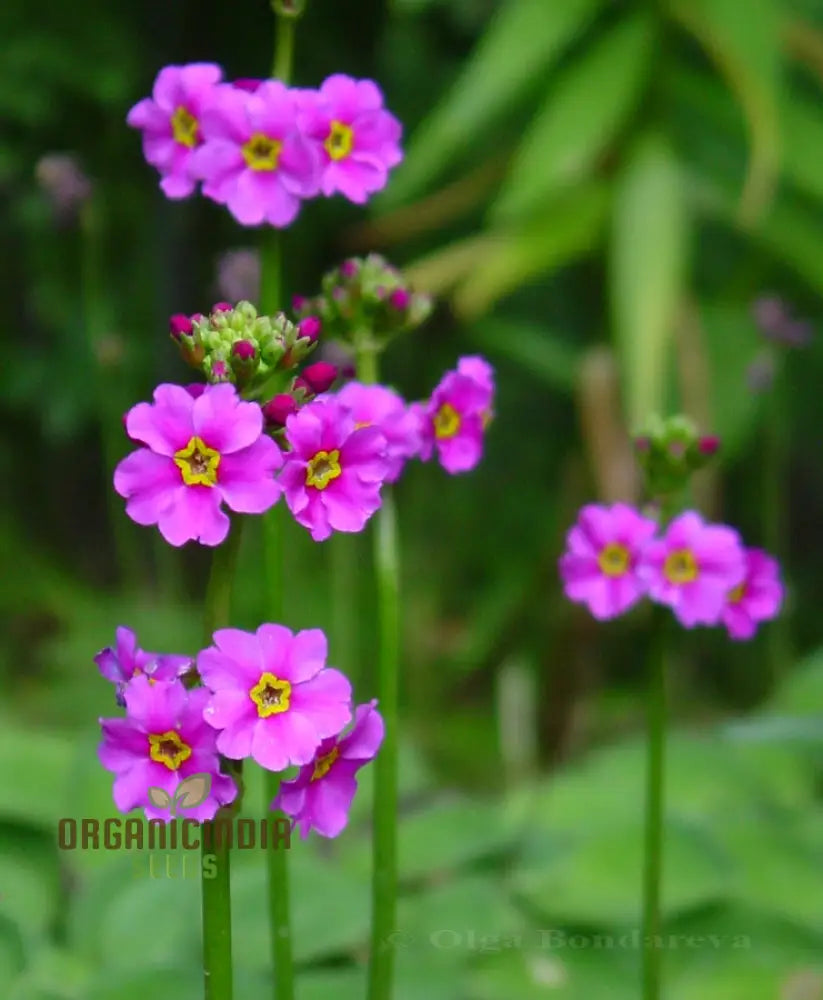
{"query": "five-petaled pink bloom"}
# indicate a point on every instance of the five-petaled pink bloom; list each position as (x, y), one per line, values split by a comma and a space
(693, 567)
(455, 418)
(171, 122)
(272, 696)
(320, 797)
(381, 407)
(334, 470)
(254, 160)
(757, 599)
(357, 139)
(163, 740)
(125, 660)
(599, 566)
(201, 453)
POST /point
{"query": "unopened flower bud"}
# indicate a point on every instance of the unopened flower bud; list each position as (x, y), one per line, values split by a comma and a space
(349, 268)
(309, 328)
(243, 349)
(708, 445)
(298, 302)
(179, 325)
(400, 299)
(278, 408)
(222, 307)
(318, 377)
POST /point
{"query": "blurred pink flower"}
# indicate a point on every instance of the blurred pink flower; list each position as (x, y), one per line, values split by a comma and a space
(757, 599)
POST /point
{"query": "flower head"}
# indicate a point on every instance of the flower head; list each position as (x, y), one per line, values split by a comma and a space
(334, 470)
(201, 453)
(320, 797)
(381, 407)
(172, 122)
(119, 664)
(163, 740)
(757, 599)
(457, 414)
(693, 567)
(272, 696)
(599, 567)
(357, 139)
(254, 160)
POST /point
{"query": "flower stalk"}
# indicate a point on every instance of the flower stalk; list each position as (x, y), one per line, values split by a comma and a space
(217, 956)
(384, 836)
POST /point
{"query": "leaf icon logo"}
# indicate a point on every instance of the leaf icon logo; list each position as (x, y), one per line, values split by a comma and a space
(160, 798)
(192, 791)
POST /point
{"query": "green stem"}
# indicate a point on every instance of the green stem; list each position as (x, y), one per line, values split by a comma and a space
(774, 517)
(271, 293)
(384, 837)
(217, 959)
(653, 854)
(344, 603)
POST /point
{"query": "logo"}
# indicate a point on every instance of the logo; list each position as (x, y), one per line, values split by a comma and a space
(191, 792)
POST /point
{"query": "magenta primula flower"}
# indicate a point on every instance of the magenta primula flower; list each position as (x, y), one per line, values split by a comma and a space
(334, 470)
(320, 797)
(455, 418)
(693, 567)
(381, 407)
(273, 697)
(163, 740)
(599, 567)
(357, 139)
(119, 664)
(171, 121)
(757, 599)
(201, 453)
(254, 160)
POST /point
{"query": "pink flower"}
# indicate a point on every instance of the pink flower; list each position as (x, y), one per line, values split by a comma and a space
(757, 599)
(381, 407)
(599, 567)
(320, 797)
(171, 121)
(334, 470)
(201, 452)
(126, 660)
(692, 568)
(254, 159)
(357, 139)
(162, 741)
(456, 416)
(273, 697)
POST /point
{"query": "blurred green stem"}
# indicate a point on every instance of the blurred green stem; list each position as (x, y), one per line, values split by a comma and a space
(653, 853)
(344, 603)
(384, 838)
(217, 958)
(773, 492)
(271, 303)
(105, 392)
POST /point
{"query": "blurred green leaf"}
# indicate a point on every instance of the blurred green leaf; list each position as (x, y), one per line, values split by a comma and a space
(747, 52)
(569, 229)
(648, 249)
(53, 974)
(520, 44)
(542, 352)
(580, 118)
(29, 877)
(35, 771)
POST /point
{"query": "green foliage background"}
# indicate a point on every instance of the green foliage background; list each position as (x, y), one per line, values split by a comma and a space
(597, 191)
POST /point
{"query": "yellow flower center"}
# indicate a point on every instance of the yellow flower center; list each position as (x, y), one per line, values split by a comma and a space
(198, 463)
(323, 765)
(680, 567)
(737, 593)
(339, 141)
(362, 423)
(261, 152)
(323, 468)
(169, 749)
(614, 559)
(185, 128)
(446, 421)
(271, 695)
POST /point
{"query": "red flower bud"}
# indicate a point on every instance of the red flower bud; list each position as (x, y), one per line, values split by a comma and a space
(400, 299)
(310, 328)
(319, 376)
(708, 445)
(243, 349)
(278, 408)
(179, 325)
(222, 307)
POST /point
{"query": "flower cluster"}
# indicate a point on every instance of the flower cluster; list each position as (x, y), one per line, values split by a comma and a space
(615, 556)
(268, 696)
(261, 148)
(205, 448)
